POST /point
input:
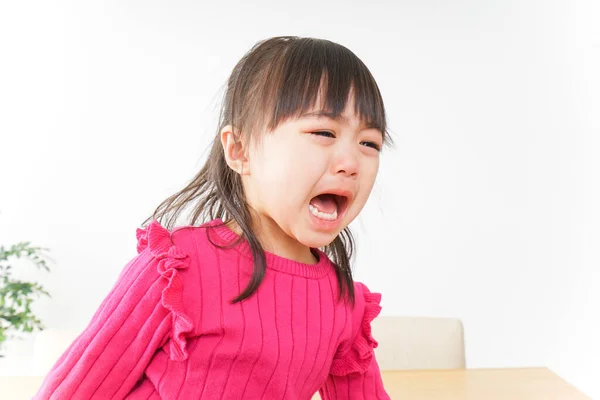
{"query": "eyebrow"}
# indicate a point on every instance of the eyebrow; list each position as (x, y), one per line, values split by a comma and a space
(330, 115)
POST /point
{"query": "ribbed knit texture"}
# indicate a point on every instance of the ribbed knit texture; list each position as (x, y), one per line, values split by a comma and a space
(167, 329)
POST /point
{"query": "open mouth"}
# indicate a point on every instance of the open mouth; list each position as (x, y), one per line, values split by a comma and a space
(328, 206)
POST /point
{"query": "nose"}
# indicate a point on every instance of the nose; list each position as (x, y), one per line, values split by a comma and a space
(346, 161)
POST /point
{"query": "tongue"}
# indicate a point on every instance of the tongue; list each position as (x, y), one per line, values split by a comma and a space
(324, 203)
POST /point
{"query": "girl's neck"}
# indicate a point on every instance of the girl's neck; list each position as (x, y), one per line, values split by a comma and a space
(275, 241)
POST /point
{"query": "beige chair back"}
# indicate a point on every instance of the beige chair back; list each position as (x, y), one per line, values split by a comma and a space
(419, 343)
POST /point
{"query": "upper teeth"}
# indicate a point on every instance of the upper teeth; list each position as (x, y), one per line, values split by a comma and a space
(319, 214)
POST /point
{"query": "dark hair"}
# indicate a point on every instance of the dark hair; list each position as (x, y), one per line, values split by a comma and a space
(279, 78)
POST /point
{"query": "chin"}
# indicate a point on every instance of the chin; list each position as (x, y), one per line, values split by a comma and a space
(318, 240)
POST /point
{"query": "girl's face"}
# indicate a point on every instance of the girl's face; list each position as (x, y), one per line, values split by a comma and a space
(290, 176)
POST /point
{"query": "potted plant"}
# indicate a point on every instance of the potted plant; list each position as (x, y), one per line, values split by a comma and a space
(16, 296)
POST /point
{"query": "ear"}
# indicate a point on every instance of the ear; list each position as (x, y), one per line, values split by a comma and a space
(235, 153)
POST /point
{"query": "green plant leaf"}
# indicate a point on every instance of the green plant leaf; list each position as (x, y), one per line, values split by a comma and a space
(16, 296)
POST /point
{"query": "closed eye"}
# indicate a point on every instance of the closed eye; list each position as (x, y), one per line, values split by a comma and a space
(325, 132)
(373, 145)
(329, 134)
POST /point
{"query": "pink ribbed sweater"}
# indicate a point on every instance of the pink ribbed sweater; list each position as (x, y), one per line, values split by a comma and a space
(167, 330)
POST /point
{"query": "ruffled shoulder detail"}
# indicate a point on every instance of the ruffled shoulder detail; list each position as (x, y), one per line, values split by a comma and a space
(171, 259)
(359, 356)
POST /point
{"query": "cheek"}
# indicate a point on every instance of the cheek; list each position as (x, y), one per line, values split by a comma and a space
(288, 181)
(368, 181)
(276, 178)
(372, 175)
(290, 162)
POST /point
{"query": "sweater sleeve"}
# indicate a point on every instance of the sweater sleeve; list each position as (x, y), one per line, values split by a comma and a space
(142, 313)
(354, 372)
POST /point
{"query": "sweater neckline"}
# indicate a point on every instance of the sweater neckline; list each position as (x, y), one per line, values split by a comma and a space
(275, 262)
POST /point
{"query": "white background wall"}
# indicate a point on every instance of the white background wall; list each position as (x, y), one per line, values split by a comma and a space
(484, 211)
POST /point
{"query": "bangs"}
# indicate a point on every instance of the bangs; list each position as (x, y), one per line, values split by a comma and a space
(319, 72)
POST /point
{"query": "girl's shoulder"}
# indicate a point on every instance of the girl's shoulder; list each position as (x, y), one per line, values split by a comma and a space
(181, 245)
(367, 306)
(161, 241)
(181, 238)
(365, 296)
